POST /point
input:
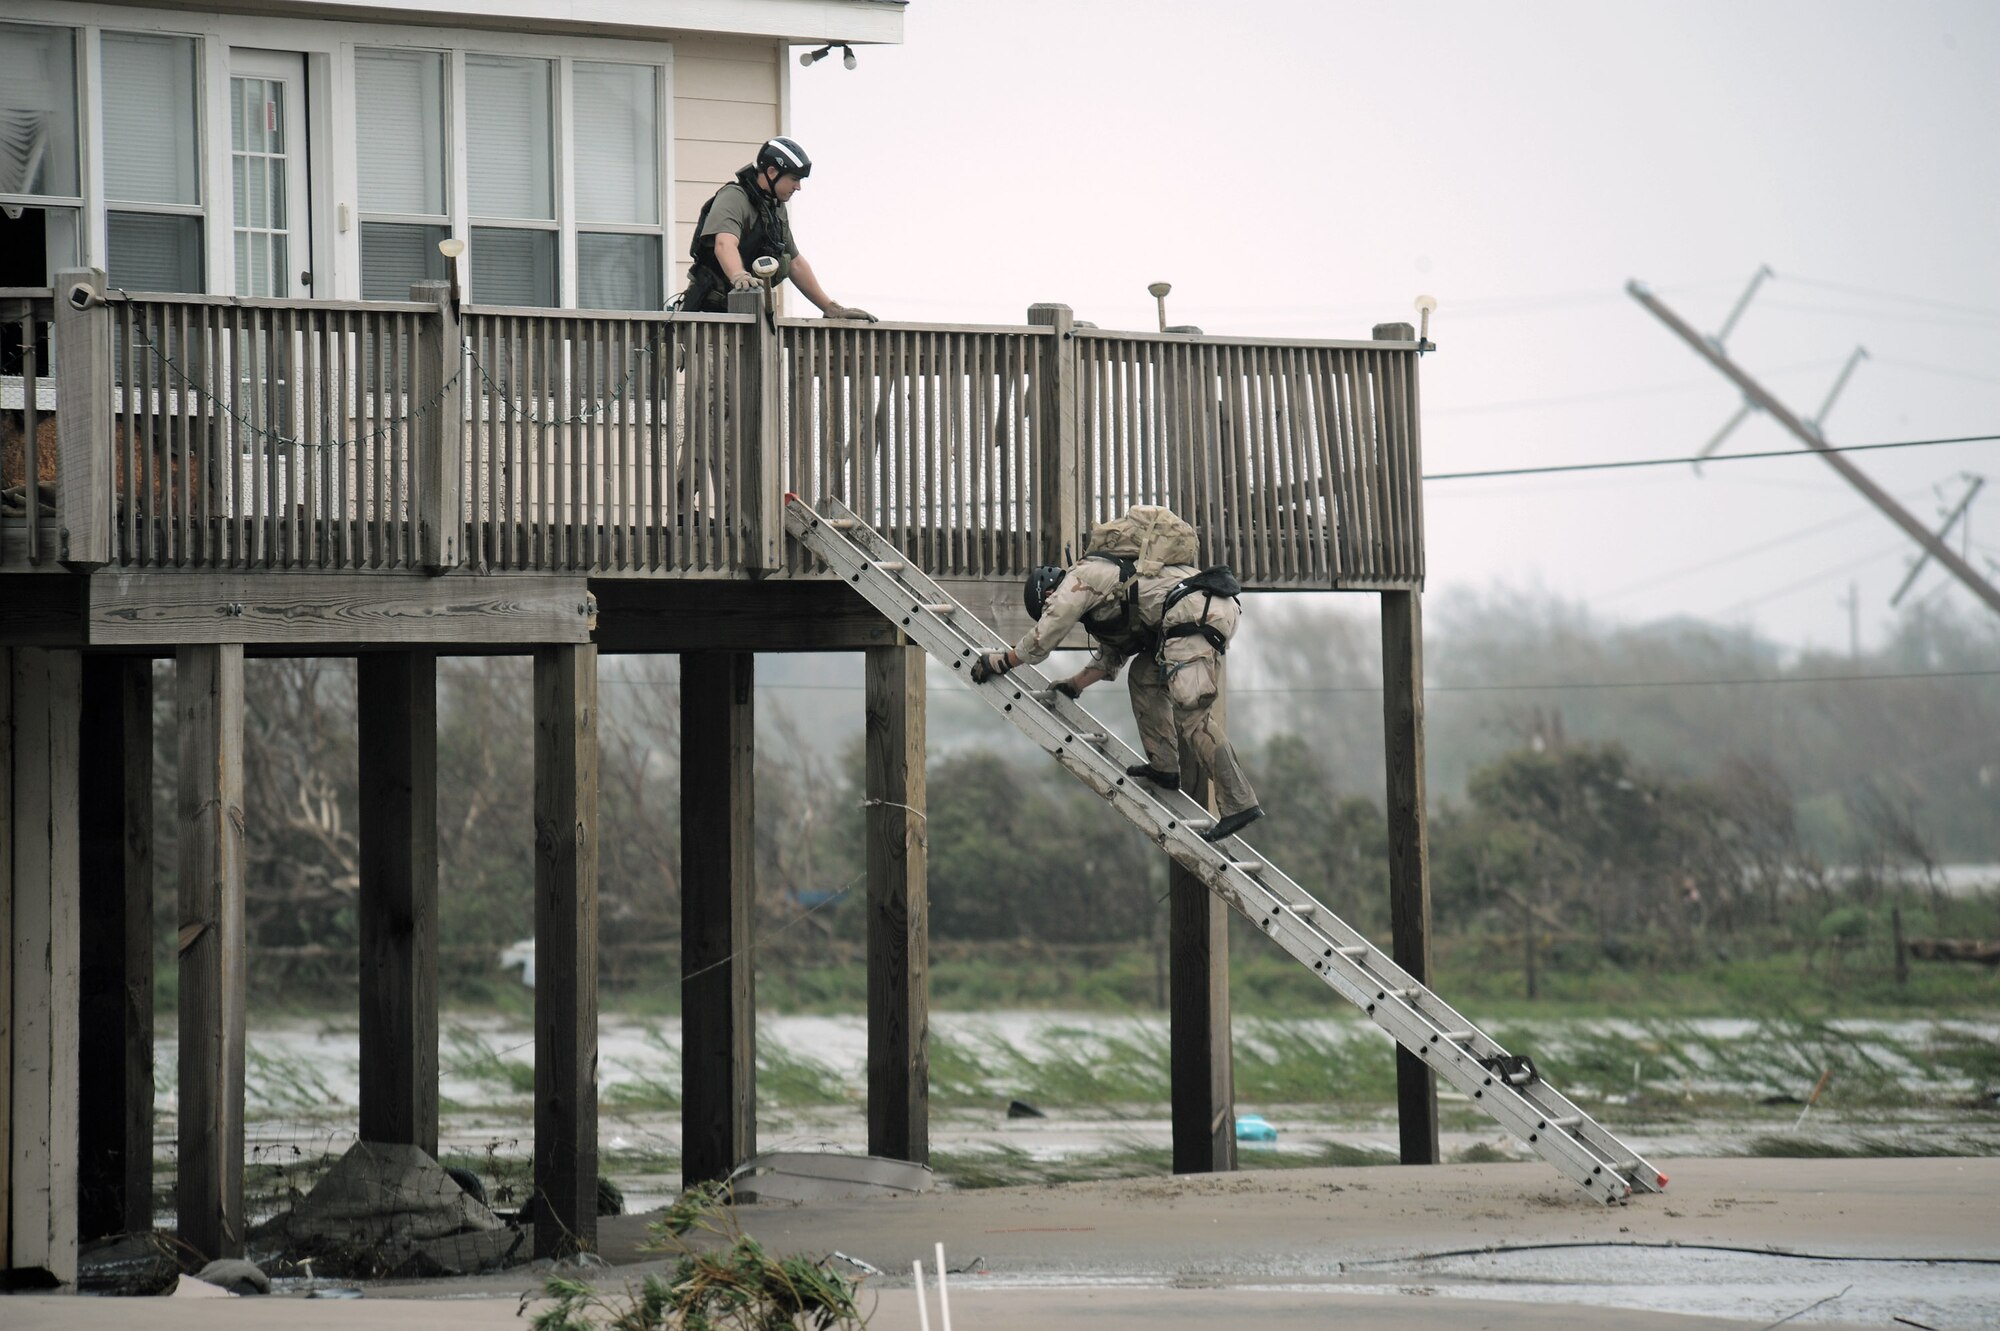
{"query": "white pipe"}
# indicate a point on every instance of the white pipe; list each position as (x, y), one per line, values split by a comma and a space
(944, 1298)
(923, 1306)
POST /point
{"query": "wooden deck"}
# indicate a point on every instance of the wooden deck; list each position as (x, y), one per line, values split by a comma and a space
(197, 436)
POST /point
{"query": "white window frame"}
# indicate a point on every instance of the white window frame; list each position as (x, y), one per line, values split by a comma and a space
(328, 45)
(661, 230)
(218, 267)
(77, 205)
(451, 219)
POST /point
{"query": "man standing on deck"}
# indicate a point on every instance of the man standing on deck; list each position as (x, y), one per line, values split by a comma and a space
(747, 221)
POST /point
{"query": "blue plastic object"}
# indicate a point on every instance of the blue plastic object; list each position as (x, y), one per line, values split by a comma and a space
(1254, 1128)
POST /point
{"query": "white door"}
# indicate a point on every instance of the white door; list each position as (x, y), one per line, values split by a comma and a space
(267, 164)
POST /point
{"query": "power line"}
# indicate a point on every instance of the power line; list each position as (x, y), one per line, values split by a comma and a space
(1658, 578)
(1721, 457)
(1823, 575)
(1852, 290)
(1564, 685)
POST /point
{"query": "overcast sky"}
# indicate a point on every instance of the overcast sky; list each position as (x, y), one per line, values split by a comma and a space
(1308, 169)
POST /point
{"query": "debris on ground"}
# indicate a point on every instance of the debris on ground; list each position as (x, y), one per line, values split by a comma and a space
(390, 1209)
(235, 1275)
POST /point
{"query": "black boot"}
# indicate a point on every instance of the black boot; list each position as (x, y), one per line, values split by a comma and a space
(1170, 780)
(1231, 823)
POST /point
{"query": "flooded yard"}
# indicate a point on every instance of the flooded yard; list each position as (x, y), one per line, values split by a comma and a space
(1670, 1088)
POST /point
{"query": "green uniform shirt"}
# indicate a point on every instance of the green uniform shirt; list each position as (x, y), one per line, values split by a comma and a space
(734, 213)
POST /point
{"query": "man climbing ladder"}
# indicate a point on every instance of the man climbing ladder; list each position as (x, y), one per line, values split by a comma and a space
(1507, 1086)
(1142, 599)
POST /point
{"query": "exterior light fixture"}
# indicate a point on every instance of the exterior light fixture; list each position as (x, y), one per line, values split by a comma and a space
(1158, 291)
(1425, 304)
(811, 58)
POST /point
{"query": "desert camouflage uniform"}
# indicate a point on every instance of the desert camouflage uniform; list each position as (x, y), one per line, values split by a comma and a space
(1176, 686)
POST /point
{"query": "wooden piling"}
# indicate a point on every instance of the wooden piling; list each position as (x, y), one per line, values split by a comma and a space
(566, 949)
(1203, 1073)
(898, 908)
(115, 813)
(718, 894)
(208, 705)
(396, 697)
(40, 698)
(1409, 851)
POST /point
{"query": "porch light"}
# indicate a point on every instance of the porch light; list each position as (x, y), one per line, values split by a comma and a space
(1158, 291)
(811, 58)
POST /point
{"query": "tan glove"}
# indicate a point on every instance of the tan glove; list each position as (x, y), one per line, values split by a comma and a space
(851, 312)
(745, 281)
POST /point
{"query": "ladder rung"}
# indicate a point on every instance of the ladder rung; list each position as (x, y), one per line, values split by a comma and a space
(1567, 1121)
(942, 609)
(1352, 952)
(1247, 866)
(843, 524)
(1456, 1037)
(1092, 736)
(1305, 910)
(890, 565)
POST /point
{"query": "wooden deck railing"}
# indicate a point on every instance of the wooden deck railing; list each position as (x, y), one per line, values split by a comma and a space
(249, 434)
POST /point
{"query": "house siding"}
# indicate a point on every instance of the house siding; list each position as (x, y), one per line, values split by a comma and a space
(728, 99)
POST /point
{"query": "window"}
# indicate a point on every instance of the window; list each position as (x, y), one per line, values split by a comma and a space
(400, 114)
(510, 177)
(39, 179)
(619, 239)
(152, 178)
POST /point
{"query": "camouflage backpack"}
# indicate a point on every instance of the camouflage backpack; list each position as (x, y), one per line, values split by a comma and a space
(1150, 536)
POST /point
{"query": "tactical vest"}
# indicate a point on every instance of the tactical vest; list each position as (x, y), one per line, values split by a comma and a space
(767, 234)
(1117, 623)
(1211, 583)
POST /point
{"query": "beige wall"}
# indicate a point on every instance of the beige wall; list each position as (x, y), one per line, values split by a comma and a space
(727, 96)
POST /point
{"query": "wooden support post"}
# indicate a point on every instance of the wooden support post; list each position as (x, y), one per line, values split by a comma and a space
(1409, 850)
(82, 350)
(1203, 1074)
(208, 706)
(40, 701)
(1058, 473)
(898, 907)
(761, 421)
(437, 407)
(718, 893)
(115, 810)
(566, 949)
(396, 698)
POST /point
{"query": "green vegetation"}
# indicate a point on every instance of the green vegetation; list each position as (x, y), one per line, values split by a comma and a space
(722, 1279)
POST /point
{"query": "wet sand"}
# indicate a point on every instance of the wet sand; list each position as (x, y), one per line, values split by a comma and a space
(1734, 1242)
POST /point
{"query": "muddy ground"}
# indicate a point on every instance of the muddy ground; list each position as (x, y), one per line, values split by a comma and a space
(1733, 1242)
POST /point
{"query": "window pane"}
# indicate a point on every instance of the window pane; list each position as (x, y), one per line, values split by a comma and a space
(510, 267)
(37, 110)
(154, 252)
(395, 257)
(35, 246)
(509, 152)
(149, 125)
(617, 144)
(399, 101)
(618, 272)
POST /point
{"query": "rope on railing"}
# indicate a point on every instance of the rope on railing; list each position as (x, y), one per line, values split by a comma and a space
(279, 436)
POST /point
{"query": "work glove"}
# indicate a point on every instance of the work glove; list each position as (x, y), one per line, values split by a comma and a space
(1068, 689)
(854, 312)
(746, 281)
(990, 665)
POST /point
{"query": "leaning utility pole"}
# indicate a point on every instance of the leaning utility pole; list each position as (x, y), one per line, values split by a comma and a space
(1756, 393)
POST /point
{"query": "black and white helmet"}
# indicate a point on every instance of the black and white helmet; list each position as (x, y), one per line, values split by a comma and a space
(1041, 583)
(786, 155)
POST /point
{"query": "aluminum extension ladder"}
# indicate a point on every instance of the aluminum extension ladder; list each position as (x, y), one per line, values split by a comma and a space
(1507, 1086)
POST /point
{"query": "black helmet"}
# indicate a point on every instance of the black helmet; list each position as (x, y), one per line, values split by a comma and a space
(1035, 592)
(786, 155)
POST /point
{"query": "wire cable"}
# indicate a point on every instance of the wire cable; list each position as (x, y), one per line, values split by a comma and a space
(1720, 457)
